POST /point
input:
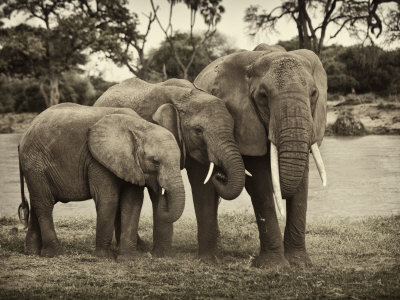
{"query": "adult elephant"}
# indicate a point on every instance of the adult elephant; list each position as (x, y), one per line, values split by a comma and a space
(278, 102)
(203, 128)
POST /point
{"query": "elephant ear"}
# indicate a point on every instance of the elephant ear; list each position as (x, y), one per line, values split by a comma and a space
(167, 116)
(113, 143)
(320, 79)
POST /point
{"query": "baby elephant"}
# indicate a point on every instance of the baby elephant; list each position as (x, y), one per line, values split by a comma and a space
(73, 153)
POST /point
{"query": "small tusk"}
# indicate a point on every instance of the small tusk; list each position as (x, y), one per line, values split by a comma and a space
(320, 163)
(162, 191)
(275, 179)
(279, 204)
(210, 170)
(247, 173)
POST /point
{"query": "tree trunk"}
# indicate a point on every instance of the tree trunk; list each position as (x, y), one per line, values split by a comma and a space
(54, 91)
(53, 97)
(303, 25)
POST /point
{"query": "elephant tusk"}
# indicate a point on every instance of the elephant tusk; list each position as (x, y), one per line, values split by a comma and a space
(275, 180)
(247, 173)
(279, 204)
(319, 162)
(209, 173)
(162, 191)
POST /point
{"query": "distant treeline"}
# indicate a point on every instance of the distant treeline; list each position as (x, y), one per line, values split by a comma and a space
(24, 95)
(359, 69)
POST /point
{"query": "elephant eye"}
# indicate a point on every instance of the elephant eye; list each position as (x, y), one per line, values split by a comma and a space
(314, 94)
(198, 130)
(155, 162)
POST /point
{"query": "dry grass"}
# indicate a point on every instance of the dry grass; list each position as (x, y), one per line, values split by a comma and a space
(351, 259)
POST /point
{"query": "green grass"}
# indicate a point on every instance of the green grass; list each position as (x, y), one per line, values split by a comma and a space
(351, 259)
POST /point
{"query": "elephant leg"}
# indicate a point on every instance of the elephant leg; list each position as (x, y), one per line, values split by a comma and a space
(131, 200)
(205, 200)
(259, 187)
(294, 239)
(42, 203)
(117, 224)
(106, 208)
(33, 241)
(162, 231)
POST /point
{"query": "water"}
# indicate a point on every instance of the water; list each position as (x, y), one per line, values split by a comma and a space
(363, 180)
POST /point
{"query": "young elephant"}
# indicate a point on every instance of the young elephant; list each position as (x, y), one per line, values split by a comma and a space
(73, 153)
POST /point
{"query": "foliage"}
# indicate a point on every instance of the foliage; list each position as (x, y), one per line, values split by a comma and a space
(354, 259)
(364, 69)
(210, 10)
(163, 59)
(23, 95)
(360, 18)
(64, 33)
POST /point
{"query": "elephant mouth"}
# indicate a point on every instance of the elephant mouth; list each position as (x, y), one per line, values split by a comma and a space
(220, 175)
(217, 173)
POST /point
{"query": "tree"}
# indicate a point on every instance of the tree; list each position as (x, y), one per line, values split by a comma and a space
(163, 62)
(210, 10)
(65, 32)
(118, 36)
(358, 17)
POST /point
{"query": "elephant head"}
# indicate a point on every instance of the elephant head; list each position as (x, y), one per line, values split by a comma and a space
(204, 127)
(141, 153)
(200, 122)
(275, 95)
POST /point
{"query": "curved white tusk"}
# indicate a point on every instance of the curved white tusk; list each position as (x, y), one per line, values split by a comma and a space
(275, 180)
(210, 170)
(162, 191)
(279, 204)
(319, 162)
(247, 173)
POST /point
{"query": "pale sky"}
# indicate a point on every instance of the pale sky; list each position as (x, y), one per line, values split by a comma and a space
(231, 25)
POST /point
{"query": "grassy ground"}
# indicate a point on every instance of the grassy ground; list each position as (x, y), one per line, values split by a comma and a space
(351, 259)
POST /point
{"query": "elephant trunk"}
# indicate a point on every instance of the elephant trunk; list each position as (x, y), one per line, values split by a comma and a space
(172, 200)
(293, 140)
(230, 182)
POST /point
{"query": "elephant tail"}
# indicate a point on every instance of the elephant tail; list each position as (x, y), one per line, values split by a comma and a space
(23, 209)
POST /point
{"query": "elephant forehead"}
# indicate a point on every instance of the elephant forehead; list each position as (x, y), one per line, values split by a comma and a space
(284, 71)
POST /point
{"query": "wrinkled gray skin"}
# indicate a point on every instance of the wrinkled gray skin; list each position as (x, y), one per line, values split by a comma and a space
(279, 97)
(73, 153)
(202, 127)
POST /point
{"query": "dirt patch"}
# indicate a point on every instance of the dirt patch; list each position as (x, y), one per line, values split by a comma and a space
(375, 114)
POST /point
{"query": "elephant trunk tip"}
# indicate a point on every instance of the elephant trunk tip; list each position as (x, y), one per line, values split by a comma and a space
(171, 206)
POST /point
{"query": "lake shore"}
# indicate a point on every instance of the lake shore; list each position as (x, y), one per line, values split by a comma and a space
(351, 259)
(378, 115)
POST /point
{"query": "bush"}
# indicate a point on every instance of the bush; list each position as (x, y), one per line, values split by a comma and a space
(348, 125)
(23, 95)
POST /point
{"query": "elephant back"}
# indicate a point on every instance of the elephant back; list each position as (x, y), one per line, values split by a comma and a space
(143, 97)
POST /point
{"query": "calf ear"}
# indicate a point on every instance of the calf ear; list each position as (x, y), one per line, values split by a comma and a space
(113, 143)
(168, 117)
(320, 79)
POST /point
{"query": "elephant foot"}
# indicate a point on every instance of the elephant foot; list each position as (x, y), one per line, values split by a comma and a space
(52, 250)
(210, 259)
(273, 261)
(161, 251)
(142, 245)
(104, 253)
(33, 244)
(127, 256)
(298, 258)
